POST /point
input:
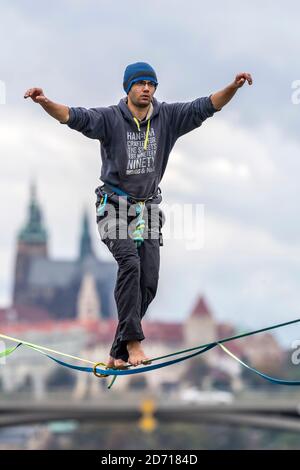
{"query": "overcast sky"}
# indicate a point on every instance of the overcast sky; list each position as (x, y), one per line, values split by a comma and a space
(242, 164)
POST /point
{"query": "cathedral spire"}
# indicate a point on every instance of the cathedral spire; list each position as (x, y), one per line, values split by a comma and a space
(34, 231)
(86, 248)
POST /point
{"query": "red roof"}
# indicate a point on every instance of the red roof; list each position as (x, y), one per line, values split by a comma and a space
(155, 331)
(43, 327)
(158, 331)
(24, 314)
(225, 330)
(98, 331)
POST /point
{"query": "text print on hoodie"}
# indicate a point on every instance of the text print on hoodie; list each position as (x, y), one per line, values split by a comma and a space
(135, 153)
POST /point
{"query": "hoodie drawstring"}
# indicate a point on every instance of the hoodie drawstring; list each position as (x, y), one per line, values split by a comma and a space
(147, 132)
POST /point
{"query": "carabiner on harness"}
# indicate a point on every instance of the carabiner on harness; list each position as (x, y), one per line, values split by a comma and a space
(140, 224)
(100, 208)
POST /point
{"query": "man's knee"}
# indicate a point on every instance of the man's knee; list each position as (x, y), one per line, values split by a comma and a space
(129, 262)
(125, 253)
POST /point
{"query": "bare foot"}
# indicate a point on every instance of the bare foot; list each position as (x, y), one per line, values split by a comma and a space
(120, 364)
(136, 354)
(110, 363)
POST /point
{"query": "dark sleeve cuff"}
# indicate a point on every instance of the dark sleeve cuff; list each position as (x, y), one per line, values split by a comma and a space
(71, 117)
(212, 106)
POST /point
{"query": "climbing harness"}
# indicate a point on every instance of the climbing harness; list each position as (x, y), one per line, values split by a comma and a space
(101, 206)
(140, 224)
(108, 191)
(127, 370)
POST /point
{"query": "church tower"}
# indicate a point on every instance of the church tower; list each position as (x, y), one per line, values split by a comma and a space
(200, 326)
(88, 303)
(86, 248)
(88, 300)
(31, 243)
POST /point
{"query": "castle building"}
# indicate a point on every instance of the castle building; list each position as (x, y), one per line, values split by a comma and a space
(61, 287)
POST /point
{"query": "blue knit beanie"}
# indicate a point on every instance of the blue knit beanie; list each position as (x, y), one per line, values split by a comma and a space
(136, 72)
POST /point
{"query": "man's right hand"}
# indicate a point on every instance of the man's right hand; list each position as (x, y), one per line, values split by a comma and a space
(57, 111)
(36, 94)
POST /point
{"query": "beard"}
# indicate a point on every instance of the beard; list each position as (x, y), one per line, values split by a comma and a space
(141, 104)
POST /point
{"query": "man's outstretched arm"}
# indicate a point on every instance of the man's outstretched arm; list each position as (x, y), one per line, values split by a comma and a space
(220, 98)
(57, 111)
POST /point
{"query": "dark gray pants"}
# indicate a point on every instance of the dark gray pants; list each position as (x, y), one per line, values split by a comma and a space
(137, 280)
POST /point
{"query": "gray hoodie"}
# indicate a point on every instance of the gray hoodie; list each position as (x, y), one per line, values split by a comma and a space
(135, 153)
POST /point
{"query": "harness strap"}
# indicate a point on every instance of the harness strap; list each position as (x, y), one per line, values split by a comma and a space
(131, 199)
(139, 208)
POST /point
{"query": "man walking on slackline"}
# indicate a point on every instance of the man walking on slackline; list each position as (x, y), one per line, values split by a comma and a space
(136, 138)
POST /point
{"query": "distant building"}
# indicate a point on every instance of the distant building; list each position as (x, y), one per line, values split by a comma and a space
(91, 338)
(200, 326)
(68, 306)
(62, 288)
